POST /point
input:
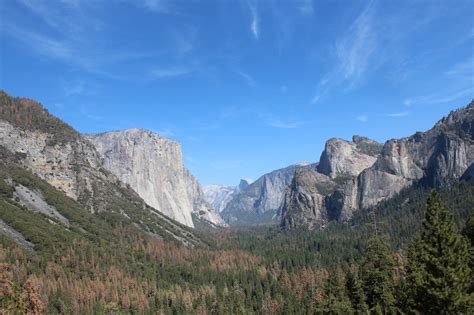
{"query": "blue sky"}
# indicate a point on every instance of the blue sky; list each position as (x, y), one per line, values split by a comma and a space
(245, 86)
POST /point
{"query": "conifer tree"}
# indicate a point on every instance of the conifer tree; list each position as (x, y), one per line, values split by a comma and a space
(378, 276)
(438, 272)
(356, 292)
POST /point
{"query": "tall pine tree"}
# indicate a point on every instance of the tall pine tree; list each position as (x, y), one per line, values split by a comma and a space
(438, 272)
(378, 274)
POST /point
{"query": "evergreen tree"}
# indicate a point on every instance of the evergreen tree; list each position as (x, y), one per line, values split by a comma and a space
(356, 292)
(378, 276)
(438, 271)
(336, 300)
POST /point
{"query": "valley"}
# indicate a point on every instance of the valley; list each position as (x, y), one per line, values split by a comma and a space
(115, 223)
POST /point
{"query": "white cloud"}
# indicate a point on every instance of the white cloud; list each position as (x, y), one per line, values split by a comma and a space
(355, 55)
(401, 114)
(362, 118)
(254, 25)
(163, 73)
(248, 78)
(408, 102)
(463, 69)
(158, 6)
(278, 123)
(440, 98)
(306, 7)
(355, 49)
(75, 88)
(164, 132)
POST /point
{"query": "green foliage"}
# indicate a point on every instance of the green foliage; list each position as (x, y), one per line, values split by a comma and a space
(6, 190)
(378, 275)
(439, 274)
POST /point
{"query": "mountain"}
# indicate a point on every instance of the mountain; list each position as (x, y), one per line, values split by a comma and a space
(41, 147)
(260, 202)
(219, 195)
(360, 174)
(153, 167)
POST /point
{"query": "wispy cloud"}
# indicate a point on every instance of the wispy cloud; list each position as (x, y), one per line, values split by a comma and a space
(73, 36)
(363, 118)
(159, 6)
(464, 70)
(278, 123)
(254, 25)
(164, 132)
(247, 77)
(163, 73)
(74, 88)
(355, 50)
(401, 114)
(86, 113)
(439, 98)
(306, 7)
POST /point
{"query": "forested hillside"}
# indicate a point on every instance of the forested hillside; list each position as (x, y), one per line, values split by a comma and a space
(116, 268)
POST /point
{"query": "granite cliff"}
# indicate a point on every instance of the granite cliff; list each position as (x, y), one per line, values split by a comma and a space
(153, 167)
(360, 174)
(260, 202)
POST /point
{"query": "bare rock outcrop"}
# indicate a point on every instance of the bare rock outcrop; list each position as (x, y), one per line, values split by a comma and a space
(153, 167)
(363, 174)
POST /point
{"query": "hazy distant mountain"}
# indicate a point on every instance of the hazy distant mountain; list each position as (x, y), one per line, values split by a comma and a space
(219, 195)
(260, 202)
(353, 175)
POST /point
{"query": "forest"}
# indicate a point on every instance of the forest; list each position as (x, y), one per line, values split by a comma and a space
(399, 257)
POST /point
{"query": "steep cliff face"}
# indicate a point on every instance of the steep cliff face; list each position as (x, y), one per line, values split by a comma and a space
(33, 141)
(260, 202)
(153, 167)
(202, 210)
(304, 202)
(362, 177)
(53, 150)
(329, 192)
(342, 158)
(434, 157)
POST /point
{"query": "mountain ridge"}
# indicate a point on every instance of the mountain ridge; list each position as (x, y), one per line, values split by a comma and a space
(435, 157)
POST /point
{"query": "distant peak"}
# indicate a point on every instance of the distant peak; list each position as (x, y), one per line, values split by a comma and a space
(244, 183)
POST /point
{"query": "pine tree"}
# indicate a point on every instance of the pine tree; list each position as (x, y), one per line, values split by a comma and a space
(356, 292)
(438, 272)
(336, 300)
(377, 275)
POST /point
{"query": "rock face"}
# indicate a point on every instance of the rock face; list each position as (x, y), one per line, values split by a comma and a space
(219, 196)
(260, 202)
(360, 174)
(202, 210)
(66, 160)
(342, 158)
(153, 167)
(435, 158)
(53, 151)
(327, 193)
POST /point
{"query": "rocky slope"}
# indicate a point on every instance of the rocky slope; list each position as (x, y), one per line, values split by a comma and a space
(260, 202)
(352, 176)
(56, 153)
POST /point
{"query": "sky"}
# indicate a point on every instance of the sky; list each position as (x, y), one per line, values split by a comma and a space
(245, 86)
